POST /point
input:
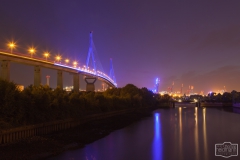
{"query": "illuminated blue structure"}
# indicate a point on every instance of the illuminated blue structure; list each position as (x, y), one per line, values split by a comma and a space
(156, 85)
(90, 53)
(111, 74)
(97, 67)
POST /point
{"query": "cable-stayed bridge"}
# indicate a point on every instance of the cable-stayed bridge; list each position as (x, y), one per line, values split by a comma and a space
(92, 70)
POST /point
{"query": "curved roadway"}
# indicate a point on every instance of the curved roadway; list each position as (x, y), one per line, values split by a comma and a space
(36, 61)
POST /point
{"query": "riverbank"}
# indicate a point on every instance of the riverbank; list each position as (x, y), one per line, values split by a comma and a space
(40, 147)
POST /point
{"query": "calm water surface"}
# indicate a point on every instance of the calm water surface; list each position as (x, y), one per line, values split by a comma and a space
(170, 134)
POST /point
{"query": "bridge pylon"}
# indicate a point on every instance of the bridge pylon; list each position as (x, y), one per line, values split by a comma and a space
(90, 80)
(91, 53)
(111, 73)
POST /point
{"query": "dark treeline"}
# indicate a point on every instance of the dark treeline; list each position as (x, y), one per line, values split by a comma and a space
(42, 104)
(227, 97)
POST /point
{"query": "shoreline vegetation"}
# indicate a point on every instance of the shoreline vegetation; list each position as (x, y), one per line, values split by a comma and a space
(45, 146)
(42, 104)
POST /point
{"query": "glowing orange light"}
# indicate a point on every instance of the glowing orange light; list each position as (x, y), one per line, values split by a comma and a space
(46, 55)
(11, 45)
(32, 51)
(67, 60)
(75, 63)
(58, 58)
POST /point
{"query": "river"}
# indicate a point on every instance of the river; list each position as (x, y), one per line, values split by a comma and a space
(170, 134)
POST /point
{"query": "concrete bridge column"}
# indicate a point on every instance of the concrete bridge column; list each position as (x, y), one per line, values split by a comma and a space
(59, 79)
(5, 70)
(76, 82)
(37, 75)
(90, 84)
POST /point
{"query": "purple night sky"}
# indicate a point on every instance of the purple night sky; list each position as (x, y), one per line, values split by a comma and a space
(189, 42)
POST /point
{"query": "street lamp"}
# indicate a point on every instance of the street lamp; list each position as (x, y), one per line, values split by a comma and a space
(11, 45)
(46, 55)
(66, 61)
(32, 51)
(75, 63)
(58, 58)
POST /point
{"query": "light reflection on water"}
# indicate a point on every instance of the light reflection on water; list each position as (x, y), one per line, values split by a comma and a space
(157, 141)
(180, 132)
(196, 135)
(205, 135)
(175, 133)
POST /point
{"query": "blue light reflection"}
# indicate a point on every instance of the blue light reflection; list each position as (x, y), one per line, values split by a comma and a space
(157, 141)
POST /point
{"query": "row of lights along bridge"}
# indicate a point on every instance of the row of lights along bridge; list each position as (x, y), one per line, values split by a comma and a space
(57, 60)
(32, 51)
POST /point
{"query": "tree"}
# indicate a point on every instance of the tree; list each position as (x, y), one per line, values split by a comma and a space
(227, 97)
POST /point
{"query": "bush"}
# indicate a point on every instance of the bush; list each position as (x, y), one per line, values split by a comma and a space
(42, 104)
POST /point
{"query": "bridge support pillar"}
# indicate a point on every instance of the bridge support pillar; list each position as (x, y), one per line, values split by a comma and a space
(59, 79)
(90, 84)
(76, 82)
(5, 70)
(104, 86)
(37, 75)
